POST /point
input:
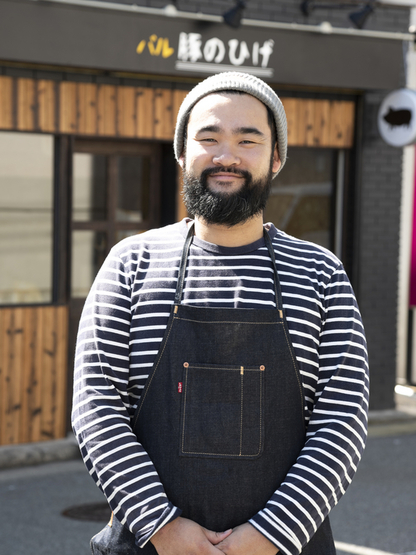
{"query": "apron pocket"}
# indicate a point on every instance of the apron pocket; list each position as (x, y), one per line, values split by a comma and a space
(222, 411)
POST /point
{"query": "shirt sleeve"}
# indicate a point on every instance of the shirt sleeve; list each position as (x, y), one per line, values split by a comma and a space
(337, 427)
(101, 412)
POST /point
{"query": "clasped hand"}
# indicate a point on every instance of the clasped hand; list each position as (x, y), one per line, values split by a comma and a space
(185, 537)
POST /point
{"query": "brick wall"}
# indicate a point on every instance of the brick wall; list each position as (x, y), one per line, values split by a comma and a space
(383, 18)
(378, 252)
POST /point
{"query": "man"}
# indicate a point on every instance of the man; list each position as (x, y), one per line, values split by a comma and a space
(221, 388)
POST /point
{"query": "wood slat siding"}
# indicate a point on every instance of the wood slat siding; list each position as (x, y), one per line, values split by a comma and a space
(144, 113)
(6, 102)
(33, 373)
(26, 105)
(320, 123)
(47, 103)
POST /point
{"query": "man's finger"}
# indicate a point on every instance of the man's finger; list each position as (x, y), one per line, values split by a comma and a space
(217, 537)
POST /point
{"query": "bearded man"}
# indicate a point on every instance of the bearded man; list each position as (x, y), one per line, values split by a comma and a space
(221, 388)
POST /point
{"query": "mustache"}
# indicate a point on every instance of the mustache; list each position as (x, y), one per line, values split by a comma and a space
(223, 169)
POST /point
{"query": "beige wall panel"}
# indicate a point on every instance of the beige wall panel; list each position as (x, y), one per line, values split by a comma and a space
(6, 102)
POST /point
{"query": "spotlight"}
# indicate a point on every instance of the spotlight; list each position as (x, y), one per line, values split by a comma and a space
(306, 7)
(233, 17)
(360, 17)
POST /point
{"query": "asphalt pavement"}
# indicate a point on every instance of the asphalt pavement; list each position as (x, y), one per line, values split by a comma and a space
(41, 506)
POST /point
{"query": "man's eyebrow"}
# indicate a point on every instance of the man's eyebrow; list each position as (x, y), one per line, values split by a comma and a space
(209, 129)
(237, 131)
(248, 131)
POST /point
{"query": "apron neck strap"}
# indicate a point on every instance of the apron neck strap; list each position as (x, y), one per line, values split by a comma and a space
(184, 258)
(182, 265)
(277, 290)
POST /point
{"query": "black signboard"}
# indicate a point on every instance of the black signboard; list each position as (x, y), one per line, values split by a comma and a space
(87, 37)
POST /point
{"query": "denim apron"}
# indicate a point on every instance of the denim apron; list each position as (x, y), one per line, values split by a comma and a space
(222, 414)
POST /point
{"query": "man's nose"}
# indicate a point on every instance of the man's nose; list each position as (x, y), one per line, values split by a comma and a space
(226, 157)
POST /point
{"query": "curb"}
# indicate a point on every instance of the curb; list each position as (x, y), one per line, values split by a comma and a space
(381, 424)
(30, 454)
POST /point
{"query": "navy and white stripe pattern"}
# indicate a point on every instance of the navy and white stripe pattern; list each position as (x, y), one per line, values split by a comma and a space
(122, 327)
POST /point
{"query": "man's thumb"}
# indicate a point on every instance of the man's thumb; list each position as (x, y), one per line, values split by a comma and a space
(217, 537)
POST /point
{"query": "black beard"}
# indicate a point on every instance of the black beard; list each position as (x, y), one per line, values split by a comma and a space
(227, 209)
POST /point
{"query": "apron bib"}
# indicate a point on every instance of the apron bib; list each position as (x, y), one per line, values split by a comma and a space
(222, 414)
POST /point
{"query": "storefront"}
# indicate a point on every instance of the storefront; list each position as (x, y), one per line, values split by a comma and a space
(88, 102)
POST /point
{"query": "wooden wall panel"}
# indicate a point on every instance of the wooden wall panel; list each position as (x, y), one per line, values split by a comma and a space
(126, 111)
(291, 116)
(321, 123)
(26, 105)
(107, 110)
(67, 107)
(145, 113)
(164, 127)
(177, 98)
(10, 375)
(33, 351)
(6, 102)
(87, 109)
(46, 102)
(341, 131)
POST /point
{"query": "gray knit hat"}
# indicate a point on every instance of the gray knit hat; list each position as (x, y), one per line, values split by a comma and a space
(240, 82)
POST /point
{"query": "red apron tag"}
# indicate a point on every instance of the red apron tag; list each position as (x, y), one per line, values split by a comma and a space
(179, 387)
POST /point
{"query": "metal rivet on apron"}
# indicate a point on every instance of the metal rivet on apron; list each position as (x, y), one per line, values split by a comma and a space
(262, 368)
(186, 364)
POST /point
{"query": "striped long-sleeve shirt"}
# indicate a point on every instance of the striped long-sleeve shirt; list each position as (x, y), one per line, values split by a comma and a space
(122, 327)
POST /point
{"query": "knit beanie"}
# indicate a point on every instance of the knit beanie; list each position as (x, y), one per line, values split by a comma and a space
(240, 82)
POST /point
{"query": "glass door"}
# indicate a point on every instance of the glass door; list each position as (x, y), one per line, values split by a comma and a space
(115, 193)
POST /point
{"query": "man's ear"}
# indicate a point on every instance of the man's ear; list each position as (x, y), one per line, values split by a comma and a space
(276, 161)
(181, 160)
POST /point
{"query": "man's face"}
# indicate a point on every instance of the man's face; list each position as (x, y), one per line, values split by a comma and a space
(228, 161)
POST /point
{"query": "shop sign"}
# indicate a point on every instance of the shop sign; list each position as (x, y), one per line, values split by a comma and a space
(198, 53)
(397, 118)
(146, 45)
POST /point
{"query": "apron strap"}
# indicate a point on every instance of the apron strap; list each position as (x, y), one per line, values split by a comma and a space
(182, 265)
(184, 258)
(277, 289)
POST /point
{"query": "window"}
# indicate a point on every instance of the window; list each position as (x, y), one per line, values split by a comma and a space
(26, 218)
(302, 199)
